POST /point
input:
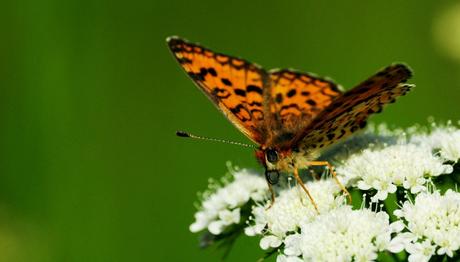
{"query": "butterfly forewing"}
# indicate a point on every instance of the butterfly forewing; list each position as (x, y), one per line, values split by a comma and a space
(349, 112)
(234, 85)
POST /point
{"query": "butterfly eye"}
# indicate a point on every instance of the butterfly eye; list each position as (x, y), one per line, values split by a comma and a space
(271, 155)
(272, 176)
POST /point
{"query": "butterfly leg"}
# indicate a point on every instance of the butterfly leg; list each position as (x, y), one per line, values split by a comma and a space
(272, 192)
(300, 182)
(334, 175)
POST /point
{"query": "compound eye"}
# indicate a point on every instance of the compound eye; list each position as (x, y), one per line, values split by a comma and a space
(272, 176)
(272, 155)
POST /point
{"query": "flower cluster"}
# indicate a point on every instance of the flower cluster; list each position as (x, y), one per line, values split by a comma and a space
(433, 225)
(383, 169)
(409, 164)
(341, 233)
(292, 209)
(221, 208)
(445, 139)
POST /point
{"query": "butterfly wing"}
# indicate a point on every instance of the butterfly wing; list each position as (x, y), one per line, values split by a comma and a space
(234, 85)
(349, 113)
(296, 99)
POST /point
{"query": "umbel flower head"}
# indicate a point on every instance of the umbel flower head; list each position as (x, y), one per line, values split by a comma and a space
(221, 208)
(291, 210)
(342, 234)
(443, 139)
(384, 169)
(432, 225)
(394, 168)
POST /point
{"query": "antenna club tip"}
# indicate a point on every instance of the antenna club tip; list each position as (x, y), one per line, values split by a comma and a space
(182, 134)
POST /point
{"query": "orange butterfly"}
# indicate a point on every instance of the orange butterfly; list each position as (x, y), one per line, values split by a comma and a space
(290, 115)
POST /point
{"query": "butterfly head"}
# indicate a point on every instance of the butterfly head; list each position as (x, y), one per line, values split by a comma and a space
(274, 161)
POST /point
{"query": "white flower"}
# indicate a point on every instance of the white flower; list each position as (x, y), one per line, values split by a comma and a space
(446, 140)
(292, 245)
(383, 169)
(344, 234)
(420, 252)
(292, 207)
(433, 222)
(222, 208)
(399, 242)
(202, 220)
(283, 258)
(259, 221)
(230, 217)
(216, 227)
(270, 242)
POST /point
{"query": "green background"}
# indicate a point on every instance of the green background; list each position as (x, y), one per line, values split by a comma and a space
(90, 98)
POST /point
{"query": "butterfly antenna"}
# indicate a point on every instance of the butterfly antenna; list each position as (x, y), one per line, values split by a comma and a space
(185, 134)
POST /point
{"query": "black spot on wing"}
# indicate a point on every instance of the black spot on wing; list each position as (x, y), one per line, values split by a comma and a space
(212, 71)
(311, 102)
(196, 76)
(254, 103)
(203, 71)
(226, 82)
(291, 93)
(253, 88)
(240, 92)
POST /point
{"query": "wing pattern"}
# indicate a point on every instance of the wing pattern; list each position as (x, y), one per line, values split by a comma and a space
(234, 85)
(286, 109)
(349, 112)
(296, 99)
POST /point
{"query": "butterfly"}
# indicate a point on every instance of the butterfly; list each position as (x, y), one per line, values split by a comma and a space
(291, 116)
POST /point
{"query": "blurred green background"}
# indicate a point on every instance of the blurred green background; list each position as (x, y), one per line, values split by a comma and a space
(90, 98)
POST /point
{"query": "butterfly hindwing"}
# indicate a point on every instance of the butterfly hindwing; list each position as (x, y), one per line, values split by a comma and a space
(349, 112)
(234, 85)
